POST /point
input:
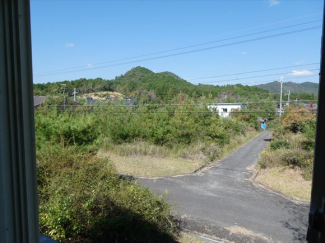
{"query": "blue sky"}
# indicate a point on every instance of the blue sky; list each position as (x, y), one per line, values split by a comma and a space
(83, 39)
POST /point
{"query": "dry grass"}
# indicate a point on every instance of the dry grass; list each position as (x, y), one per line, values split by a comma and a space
(240, 231)
(286, 180)
(148, 166)
(189, 238)
(146, 160)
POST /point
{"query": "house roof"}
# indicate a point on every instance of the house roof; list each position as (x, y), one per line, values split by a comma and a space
(39, 100)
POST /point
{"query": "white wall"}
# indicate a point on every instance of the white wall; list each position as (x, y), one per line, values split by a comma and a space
(220, 109)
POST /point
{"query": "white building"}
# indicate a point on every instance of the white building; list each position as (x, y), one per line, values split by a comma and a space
(224, 109)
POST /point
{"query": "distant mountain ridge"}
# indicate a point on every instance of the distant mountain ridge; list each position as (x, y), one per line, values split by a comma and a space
(305, 87)
(166, 87)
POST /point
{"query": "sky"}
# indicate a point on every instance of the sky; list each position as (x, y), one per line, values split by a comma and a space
(215, 42)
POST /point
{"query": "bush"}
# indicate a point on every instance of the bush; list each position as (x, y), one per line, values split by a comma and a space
(82, 200)
(67, 129)
(288, 158)
(277, 144)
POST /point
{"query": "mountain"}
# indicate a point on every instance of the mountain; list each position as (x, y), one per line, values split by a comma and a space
(148, 86)
(306, 87)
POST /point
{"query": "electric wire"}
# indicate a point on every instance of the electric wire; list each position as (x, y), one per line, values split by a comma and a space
(256, 71)
(260, 76)
(177, 49)
(192, 51)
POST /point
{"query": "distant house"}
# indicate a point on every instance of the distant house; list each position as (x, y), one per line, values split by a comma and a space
(311, 107)
(38, 100)
(224, 109)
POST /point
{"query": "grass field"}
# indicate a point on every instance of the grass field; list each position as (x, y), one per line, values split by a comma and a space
(143, 160)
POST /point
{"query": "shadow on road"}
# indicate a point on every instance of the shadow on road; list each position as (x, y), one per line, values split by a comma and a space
(297, 222)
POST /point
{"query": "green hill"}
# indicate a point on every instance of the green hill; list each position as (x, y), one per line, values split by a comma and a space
(306, 87)
(147, 86)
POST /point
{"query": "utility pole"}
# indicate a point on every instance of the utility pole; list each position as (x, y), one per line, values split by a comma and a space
(281, 82)
(74, 94)
(63, 87)
(288, 97)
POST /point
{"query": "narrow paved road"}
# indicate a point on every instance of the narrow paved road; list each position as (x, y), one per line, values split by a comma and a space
(224, 202)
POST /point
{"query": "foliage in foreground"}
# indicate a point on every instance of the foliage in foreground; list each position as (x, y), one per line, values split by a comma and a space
(82, 200)
(293, 142)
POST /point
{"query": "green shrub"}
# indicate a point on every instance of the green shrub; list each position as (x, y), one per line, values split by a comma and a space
(308, 145)
(277, 144)
(82, 200)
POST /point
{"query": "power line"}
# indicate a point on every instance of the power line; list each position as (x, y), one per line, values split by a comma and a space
(260, 76)
(186, 112)
(258, 71)
(192, 51)
(177, 105)
(177, 49)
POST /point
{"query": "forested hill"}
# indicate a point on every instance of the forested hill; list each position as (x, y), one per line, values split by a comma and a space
(148, 86)
(306, 87)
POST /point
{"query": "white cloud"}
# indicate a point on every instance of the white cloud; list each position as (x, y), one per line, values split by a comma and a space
(273, 2)
(300, 62)
(69, 45)
(300, 73)
(89, 66)
(244, 52)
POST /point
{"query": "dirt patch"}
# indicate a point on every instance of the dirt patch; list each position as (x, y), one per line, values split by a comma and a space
(189, 238)
(288, 181)
(236, 230)
(101, 95)
(195, 237)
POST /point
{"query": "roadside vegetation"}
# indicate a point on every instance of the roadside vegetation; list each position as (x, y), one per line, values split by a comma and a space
(287, 164)
(83, 200)
(82, 196)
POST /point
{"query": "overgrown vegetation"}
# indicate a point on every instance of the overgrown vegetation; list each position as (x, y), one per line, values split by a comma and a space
(82, 200)
(293, 142)
(81, 197)
(171, 127)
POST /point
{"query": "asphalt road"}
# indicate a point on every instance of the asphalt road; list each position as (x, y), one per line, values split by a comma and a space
(224, 202)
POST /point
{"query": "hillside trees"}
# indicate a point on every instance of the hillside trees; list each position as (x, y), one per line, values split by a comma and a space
(139, 82)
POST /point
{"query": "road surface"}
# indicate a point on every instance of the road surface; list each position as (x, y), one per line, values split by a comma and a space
(224, 202)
